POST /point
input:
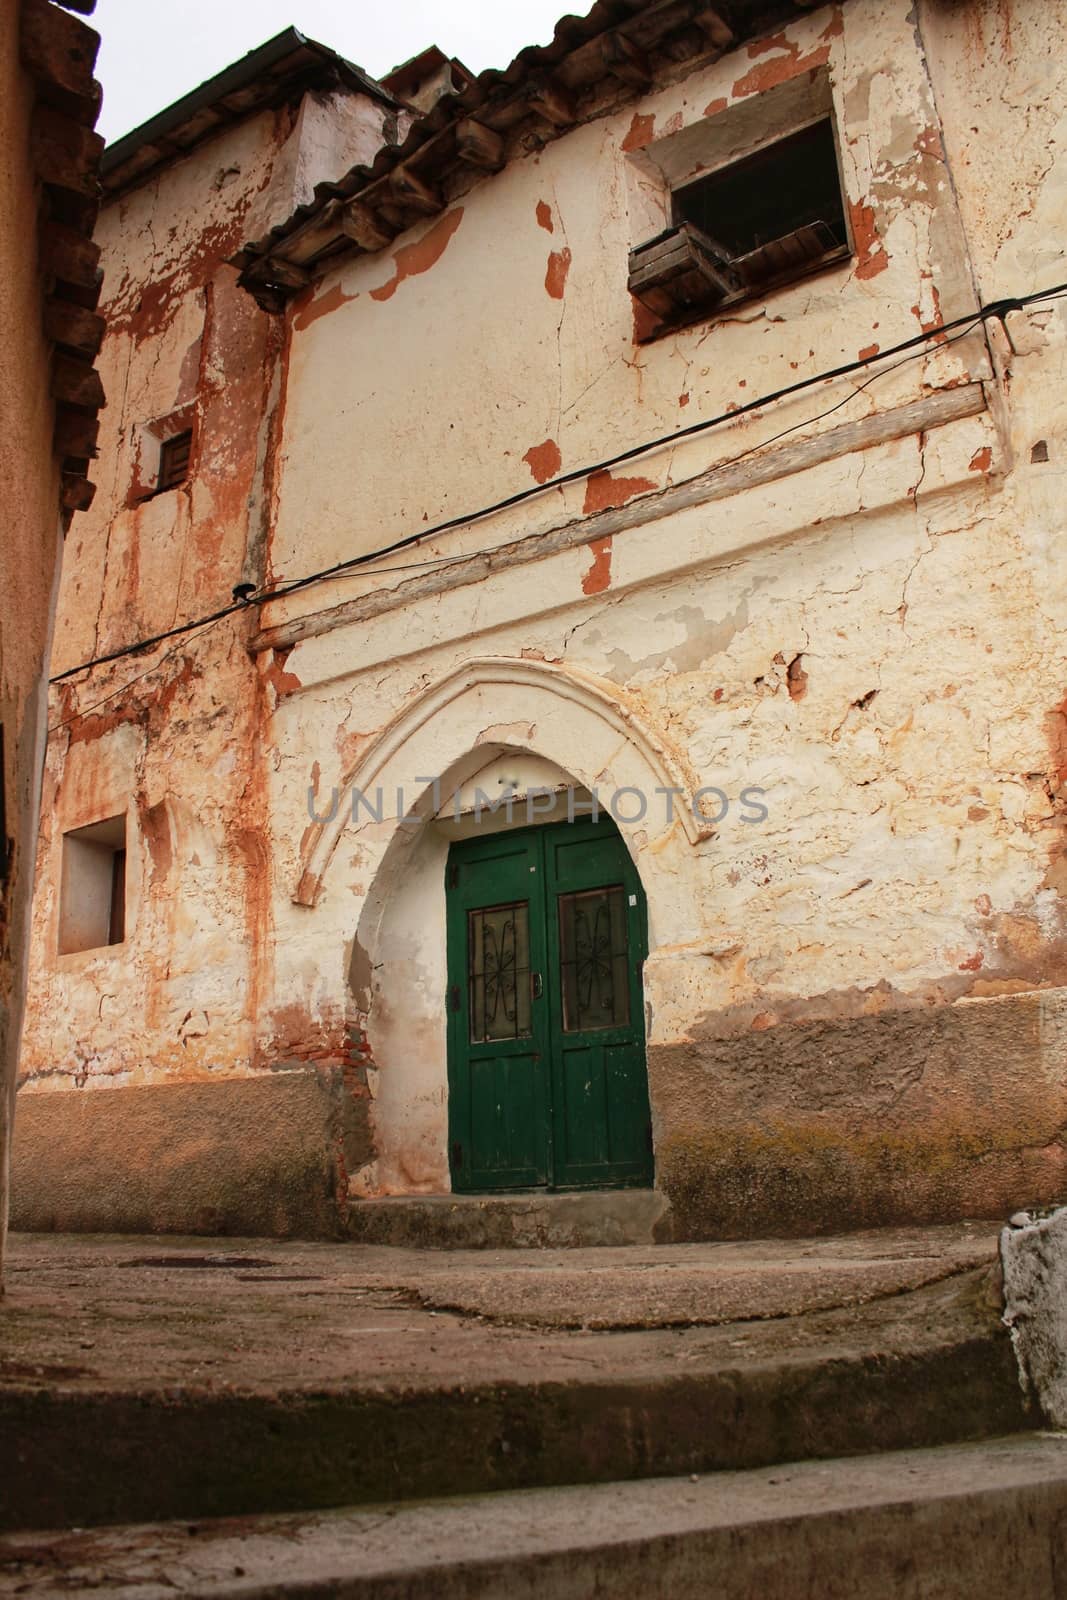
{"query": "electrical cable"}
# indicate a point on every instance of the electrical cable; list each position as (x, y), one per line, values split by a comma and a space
(915, 347)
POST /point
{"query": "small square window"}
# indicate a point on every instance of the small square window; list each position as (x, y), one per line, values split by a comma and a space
(174, 457)
(771, 217)
(92, 895)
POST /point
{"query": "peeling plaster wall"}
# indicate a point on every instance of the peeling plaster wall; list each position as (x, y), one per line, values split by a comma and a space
(855, 1006)
(30, 547)
(175, 741)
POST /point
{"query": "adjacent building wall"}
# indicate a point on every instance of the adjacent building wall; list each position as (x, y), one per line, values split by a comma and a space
(29, 549)
(48, 154)
(855, 1005)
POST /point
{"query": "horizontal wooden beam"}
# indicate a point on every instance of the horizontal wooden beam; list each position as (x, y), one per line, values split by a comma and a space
(413, 192)
(553, 102)
(75, 383)
(69, 255)
(625, 61)
(360, 224)
(76, 492)
(76, 433)
(716, 483)
(74, 326)
(59, 52)
(64, 153)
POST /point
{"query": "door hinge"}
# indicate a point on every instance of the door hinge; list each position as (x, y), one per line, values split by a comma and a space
(457, 1155)
(455, 998)
(453, 874)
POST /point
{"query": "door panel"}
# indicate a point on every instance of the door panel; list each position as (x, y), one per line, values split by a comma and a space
(498, 1104)
(547, 1075)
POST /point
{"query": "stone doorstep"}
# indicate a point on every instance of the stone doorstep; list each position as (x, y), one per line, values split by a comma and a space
(528, 1219)
(956, 1522)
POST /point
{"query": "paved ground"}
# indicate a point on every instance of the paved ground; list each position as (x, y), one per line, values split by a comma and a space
(96, 1312)
(150, 1378)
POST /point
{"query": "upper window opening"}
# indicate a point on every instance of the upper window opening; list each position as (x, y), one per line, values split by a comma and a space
(92, 897)
(765, 219)
(174, 457)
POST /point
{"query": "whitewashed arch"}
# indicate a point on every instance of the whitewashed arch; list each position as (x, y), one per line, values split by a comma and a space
(578, 721)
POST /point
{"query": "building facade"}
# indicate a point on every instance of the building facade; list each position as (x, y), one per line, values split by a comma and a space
(49, 396)
(632, 756)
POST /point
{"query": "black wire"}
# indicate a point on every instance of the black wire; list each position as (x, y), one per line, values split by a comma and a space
(996, 309)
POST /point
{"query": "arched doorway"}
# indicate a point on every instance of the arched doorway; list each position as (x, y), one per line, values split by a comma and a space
(391, 869)
(547, 932)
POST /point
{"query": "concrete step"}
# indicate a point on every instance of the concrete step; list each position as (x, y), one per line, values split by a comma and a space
(953, 1523)
(149, 1379)
(531, 1219)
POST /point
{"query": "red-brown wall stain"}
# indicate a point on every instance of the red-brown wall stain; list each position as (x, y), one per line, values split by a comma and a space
(983, 905)
(559, 264)
(791, 64)
(155, 826)
(281, 681)
(796, 679)
(1056, 731)
(544, 216)
(867, 353)
(871, 257)
(309, 310)
(981, 460)
(604, 493)
(597, 579)
(683, 399)
(973, 963)
(152, 707)
(930, 324)
(543, 460)
(645, 321)
(929, 143)
(640, 132)
(413, 259)
(713, 107)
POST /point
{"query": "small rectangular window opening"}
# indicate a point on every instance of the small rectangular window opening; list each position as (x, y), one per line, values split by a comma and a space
(92, 896)
(174, 457)
(766, 219)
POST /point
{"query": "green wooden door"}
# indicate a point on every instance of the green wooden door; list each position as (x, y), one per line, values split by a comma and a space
(547, 933)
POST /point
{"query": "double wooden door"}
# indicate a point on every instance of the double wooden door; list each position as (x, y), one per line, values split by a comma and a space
(547, 932)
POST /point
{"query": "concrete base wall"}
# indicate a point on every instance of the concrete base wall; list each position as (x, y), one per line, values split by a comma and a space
(912, 1116)
(263, 1156)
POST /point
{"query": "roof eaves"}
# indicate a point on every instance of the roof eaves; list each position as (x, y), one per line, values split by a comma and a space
(288, 57)
(548, 88)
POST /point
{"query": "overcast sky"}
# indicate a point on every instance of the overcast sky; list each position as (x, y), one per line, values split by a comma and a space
(153, 52)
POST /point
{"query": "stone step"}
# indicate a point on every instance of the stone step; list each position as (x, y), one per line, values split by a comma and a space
(531, 1219)
(956, 1522)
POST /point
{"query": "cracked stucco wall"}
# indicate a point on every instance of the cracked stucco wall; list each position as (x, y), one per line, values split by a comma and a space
(855, 1006)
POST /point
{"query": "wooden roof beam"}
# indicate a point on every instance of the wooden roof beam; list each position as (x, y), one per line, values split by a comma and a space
(365, 227)
(479, 146)
(552, 101)
(412, 193)
(625, 61)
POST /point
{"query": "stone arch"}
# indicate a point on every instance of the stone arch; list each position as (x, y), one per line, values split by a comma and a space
(576, 720)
